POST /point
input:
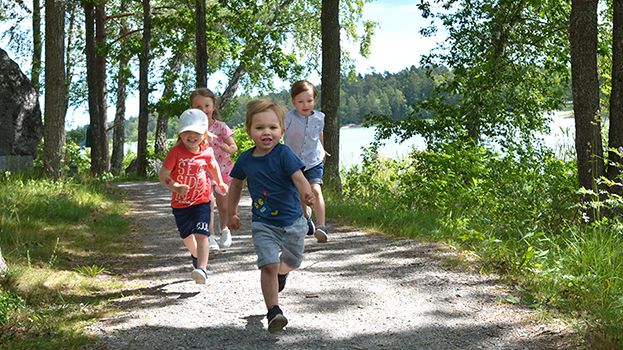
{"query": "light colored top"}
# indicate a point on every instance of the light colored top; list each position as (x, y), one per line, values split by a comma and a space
(222, 132)
(303, 137)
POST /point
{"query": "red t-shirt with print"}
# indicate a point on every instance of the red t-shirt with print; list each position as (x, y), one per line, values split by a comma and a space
(191, 169)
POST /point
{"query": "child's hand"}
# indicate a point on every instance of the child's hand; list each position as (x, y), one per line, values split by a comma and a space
(234, 222)
(309, 199)
(180, 188)
(222, 189)
(225, 147)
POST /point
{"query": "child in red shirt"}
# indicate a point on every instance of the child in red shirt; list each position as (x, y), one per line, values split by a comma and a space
(187, 171)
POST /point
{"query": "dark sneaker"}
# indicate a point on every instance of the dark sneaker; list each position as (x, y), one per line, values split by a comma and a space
(282, 281)
(311, 228)
(276, 319)
(321, 234)
(194, 261)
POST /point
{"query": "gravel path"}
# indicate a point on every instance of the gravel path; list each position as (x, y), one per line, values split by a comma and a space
(359, 291)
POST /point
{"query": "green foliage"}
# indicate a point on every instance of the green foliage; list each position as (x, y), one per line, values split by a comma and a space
(509, 64)
(9, 302)
(91, 270)
(243, 141)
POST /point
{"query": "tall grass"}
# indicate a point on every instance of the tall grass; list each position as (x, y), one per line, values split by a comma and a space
(517, 212)
(51, 232)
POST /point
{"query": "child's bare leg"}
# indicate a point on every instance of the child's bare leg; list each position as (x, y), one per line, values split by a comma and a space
(203, 251)
(319, 207)
(191, 244)
(211, 227)
(221, 203)
(268, 281)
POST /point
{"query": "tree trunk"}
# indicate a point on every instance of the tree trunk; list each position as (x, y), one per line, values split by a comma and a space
(118, 140)
(232, 86)
(201, 66)
(97, 127)
(162, 125)
(330, 91)
(55, 95)
(143, 115)
(101, 140)
(36, 43)
(585, 87)
(615, 132)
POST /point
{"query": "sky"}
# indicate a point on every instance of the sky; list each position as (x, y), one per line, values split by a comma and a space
(395, 46)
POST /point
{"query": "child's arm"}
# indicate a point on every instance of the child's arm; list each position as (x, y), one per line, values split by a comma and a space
(168, 182)
(215, 173)
(302, 185)
(235, 191)
(229, 145)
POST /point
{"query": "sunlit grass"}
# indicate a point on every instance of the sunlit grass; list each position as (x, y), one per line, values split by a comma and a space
(60, 240)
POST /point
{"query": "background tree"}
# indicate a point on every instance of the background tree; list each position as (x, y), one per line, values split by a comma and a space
(55, 96)
(201, 65)
(95, 33)
(504, 59)
(585, 86)
(143, 117)
(331, 72)
(36, 45)
(123, 74)
(615, 131)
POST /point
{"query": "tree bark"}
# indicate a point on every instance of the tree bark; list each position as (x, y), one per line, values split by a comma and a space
(96, 95)
(102, 159)
(585, 87)
(201, 65)
(36, 43)
(143, 115)
(118, 141)
(615, 131)
(55, 95)
(232, 86)
(330, 83)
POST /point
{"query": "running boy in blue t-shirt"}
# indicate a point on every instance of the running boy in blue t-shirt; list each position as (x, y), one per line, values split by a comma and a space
(276, 185)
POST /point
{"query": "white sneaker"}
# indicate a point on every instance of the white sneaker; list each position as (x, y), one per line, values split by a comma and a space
(226, 238)
(199, 275)
(213, 244)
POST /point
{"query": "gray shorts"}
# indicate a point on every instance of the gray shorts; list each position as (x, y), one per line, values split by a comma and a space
(269, 240)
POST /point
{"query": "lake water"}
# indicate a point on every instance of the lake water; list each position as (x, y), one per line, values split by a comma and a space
(353, 139)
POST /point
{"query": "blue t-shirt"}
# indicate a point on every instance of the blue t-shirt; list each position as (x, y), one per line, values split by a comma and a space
(275, 199)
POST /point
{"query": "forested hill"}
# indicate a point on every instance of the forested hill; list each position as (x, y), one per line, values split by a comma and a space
(379, 93)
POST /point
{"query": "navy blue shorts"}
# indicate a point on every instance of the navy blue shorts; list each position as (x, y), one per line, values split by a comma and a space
(193, 220)
(314, 175)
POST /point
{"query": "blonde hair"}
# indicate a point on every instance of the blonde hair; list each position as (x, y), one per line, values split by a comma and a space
(204, 92)
(207, 136)
(263, 104)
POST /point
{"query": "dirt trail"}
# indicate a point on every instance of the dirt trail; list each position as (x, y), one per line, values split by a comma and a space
(359, 291)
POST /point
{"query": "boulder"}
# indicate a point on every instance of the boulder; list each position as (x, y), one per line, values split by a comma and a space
(21, 127)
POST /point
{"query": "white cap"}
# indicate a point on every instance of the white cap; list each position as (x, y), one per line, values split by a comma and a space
(193, 120)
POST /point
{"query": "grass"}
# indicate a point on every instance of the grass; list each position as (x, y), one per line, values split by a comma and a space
(60, 240)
